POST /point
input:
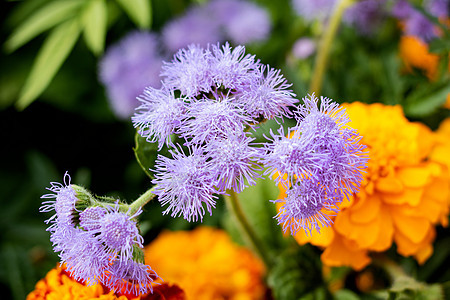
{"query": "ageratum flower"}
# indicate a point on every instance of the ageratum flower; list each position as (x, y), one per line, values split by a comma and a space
(403, 196)
(235, 162)
(92, 238)
(319, 163)
(159, 115)
(185, 183)
(217, 95)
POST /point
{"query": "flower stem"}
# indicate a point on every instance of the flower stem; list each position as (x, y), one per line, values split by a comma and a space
(249, 235)
(325, 45)
(142, 200)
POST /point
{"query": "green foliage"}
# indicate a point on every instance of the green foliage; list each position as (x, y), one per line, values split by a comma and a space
(296, 273)
(94, 20)
(51, 56)
(66, 20)
(139, 11)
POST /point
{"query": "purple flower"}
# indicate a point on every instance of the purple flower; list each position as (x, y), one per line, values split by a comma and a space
(189, 71)
(209, 119)
(319, 159)
(130, 277)
(92, 237)
(127, 68)
(307, 206)
(185, 183)
(314, 10)
(231, 68)
(268, 95)
(159, 115)
(243, 22)
(366, 15)
(63, 204)
(115, 230)
(303, 48)
(197, 26)
(418, 24)
(234, 161)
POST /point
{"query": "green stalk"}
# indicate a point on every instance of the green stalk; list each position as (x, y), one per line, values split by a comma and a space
(325, 46)
(142, 200)
(249, 235)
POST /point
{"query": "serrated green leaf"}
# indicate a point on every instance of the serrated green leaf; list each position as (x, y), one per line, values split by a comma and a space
(419, 105)
(94, 20)
(51, 56)
(139, 11)
(45, 18)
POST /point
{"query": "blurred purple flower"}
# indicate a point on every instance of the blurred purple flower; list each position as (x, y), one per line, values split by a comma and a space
(127, 68)
(303, 48)
(314, 10)
(197, 26)
(367, 15)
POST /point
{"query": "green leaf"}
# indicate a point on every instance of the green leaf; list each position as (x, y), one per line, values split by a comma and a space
(425, 101)
(255, 202)
(139, 11)
(53, 53)
(95, 18)
(146, 154)
(296, 273)
(45, 18)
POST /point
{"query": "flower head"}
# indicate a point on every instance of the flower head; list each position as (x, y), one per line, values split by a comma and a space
(398, 200)
(185, 183)
(320, 159)
(314, 10)
(92, 237)
(159, 115)
(234, 161)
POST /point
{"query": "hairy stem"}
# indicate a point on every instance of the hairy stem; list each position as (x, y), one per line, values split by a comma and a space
(142, 200)
(249, 235)
(325, 46)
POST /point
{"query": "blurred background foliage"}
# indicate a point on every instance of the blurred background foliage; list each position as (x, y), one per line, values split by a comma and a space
(55, 117)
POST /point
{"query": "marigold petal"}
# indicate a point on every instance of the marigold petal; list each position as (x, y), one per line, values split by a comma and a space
(386, 233)
(338, 254)
(409, 196)
(363, 234)
(412, 227)
(389, 184)
(414, 177)
(406, 247)
(322, 239)
(366, 212)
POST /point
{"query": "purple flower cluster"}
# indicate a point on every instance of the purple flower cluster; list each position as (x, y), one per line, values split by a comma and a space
(416, 23)
(98, 243)
(238, 21)
(127, 68)
(366, 15)
(210, 102)
(319, 162)
(314, 10)
(210, 99)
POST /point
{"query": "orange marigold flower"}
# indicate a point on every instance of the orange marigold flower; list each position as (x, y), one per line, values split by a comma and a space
(58, 284)
(206, 264)
(415, 54)
(404, 193)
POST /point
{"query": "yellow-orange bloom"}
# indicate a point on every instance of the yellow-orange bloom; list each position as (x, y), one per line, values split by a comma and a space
(58, 285)
(415, 54)
(403, 196)
(206, 264)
